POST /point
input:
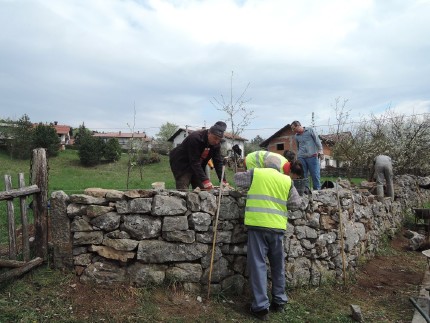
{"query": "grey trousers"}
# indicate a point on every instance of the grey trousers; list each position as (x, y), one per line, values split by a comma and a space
(384, 173)
(263, 243)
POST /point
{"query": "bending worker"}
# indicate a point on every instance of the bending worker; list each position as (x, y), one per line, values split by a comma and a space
(382, 170)
(267, 159)
(189, 159)
(269, 194)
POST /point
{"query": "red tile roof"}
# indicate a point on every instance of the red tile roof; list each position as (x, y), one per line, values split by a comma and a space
(62, 129)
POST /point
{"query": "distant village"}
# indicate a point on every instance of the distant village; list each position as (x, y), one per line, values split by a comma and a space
(281, 140)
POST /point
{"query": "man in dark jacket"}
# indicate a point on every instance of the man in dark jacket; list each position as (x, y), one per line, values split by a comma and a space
(189, 159)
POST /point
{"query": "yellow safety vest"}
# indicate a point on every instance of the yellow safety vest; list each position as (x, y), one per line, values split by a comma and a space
(266, 204)
(265, 159)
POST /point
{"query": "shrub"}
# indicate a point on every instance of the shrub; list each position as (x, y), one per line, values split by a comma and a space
(112, 151)
(45, 136)
(91, 150)
(150, 158)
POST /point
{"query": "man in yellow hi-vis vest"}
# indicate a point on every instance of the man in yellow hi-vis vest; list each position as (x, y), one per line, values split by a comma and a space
(270, 195)
(268, 159)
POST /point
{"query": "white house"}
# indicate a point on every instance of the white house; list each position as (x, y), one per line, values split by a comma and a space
(139, 140)
(226, 145)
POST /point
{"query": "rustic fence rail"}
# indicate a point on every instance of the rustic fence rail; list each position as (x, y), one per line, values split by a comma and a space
(39, 192)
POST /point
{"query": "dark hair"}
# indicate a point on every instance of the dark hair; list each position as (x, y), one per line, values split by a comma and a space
(290, 155)
(295, 123)
(297, 168)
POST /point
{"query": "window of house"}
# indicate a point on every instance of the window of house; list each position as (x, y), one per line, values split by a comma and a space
(280, 146)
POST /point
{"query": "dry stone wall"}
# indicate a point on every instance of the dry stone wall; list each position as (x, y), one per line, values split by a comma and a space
(159, 236)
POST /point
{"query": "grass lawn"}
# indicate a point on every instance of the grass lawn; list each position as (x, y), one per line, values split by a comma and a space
(66, 173)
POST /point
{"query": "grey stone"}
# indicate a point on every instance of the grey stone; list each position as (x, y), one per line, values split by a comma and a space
(155, 251)
(146, 274)
(80, 224)
(187, 236)
(193, 202)
(120, 244)
(141, 226)
(82, 238)
(175, 223)
(103, 273)
(199, 221)
(184, 272)
(108, 222)
(111, 253)
(168, 205)
(86, 199)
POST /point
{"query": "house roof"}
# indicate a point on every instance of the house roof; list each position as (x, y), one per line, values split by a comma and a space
(329, 139)
(120, 134)
(62, 129)
(266, 142)
(227, 135)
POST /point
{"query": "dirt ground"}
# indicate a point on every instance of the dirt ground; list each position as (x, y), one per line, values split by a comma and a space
(383, 284)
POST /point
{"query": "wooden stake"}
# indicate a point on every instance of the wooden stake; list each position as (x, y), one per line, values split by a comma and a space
(215, 229)
(342, 244)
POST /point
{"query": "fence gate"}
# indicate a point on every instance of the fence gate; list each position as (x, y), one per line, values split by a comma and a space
(40, 212)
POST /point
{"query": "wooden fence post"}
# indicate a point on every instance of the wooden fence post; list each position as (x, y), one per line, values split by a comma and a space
(11, 220)
(40, 202)
(24, 220)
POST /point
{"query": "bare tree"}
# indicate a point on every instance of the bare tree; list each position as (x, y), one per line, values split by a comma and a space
(133, 151)
(239, 117)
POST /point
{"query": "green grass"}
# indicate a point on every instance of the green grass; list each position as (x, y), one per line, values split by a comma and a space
(66, 174)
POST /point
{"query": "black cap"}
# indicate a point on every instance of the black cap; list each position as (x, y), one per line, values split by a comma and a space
(218, 129)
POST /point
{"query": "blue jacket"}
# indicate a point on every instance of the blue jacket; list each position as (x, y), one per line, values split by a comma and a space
(308, 143)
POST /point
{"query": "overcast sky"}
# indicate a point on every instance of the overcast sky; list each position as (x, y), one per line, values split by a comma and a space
(112, 63)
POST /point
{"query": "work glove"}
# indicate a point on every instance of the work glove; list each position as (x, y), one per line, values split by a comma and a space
(207, 185)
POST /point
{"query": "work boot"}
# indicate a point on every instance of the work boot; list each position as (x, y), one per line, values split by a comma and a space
(262, 315)
(279, 308)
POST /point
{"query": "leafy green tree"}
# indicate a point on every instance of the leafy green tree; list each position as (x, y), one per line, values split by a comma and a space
(162, 145)
(80, 133)
(253, 145)
(112, 151)
(21, 138)
(45, 136)
(91, 151)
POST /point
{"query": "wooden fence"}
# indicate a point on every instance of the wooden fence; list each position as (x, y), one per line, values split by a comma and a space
(39, 191)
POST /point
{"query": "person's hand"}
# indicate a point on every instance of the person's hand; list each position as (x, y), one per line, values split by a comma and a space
(207, 185)
(321, 156)
(225, 183)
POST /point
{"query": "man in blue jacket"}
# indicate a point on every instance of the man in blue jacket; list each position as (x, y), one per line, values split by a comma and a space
(309, 152)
